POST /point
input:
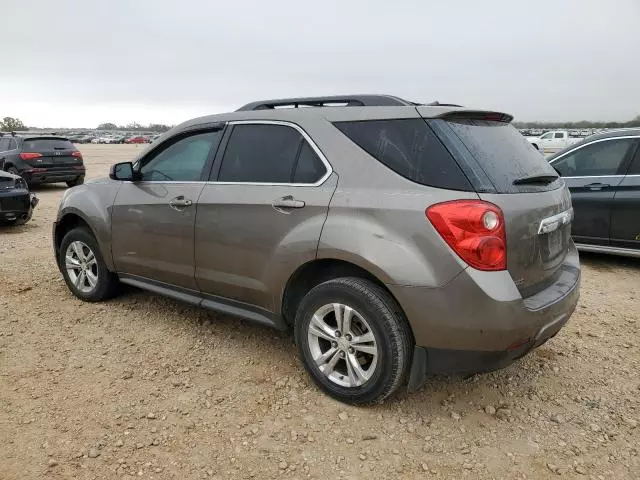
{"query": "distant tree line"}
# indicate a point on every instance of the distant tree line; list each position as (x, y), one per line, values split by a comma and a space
(135, 126)
(10, 124)
(581, 124)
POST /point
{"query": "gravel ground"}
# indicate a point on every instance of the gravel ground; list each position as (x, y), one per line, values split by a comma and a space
(147, 387)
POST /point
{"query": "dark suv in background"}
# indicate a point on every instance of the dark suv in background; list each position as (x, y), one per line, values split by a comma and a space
(396, 239)
(42, 159)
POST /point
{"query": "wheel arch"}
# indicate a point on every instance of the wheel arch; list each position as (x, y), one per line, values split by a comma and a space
(68, 222)
(314, 273)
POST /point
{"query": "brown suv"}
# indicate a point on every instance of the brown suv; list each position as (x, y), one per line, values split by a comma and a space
(396, 239)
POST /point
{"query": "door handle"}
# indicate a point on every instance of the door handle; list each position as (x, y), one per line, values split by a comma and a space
(287, 202)
(180, 203)
(597, 186)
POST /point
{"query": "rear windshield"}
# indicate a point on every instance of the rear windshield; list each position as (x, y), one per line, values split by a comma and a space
(46, 144)
(494, 155)
(410, 148)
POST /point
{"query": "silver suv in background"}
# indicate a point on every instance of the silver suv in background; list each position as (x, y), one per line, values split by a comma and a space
(397, 240)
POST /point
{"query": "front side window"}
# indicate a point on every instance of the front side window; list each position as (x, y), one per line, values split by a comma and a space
(595, 159)
(546, 136)
(269, 153)
(4, 144)
(181, 161)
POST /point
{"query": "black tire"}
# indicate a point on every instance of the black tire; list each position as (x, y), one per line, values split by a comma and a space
(535, 146)
(77, 181)
(387, 323)
(13, 170)
(107, 284)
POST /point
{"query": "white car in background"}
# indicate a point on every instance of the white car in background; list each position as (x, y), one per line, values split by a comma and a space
(552, 141)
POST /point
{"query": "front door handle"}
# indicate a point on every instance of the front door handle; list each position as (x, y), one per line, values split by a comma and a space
(597, 186)
(180, 203)
(288, 202)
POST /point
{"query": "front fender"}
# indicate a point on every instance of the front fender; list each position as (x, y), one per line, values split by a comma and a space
(92, 203)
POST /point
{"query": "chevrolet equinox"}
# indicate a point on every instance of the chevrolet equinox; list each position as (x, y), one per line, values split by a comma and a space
(396, 239)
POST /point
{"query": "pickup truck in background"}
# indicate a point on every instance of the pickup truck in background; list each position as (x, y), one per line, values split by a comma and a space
(552, 141)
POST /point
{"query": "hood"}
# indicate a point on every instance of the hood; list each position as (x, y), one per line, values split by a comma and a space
(99, 181)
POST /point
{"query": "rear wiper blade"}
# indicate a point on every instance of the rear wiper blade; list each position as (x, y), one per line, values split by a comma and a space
(545, 179)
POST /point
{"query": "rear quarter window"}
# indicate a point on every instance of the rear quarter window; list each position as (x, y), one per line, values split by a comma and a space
(410, 148)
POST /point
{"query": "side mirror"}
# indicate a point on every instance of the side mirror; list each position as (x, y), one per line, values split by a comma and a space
(122, 171)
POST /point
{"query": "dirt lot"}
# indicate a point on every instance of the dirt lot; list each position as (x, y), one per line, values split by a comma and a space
(147, 387)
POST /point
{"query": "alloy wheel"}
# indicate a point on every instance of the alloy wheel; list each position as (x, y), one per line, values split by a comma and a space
(82, 266)
(342, 345)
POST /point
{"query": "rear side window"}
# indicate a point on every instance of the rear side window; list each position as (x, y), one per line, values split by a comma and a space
(595, 159)
(410, 148)
(309, 168)
(46, 145)
(266, 153)
(499, 154)
(12, 144)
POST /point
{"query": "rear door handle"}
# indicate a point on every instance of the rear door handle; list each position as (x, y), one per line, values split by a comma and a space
(288, 202)
(597, 186)
(180, 203)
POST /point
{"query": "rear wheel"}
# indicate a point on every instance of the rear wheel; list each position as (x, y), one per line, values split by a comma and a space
(77, 181)
(83, 267)
(13, 170)
(354, 340)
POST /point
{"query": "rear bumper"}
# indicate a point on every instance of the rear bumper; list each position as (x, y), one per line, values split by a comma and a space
(52, 175)
(14, 207)
(479, 321)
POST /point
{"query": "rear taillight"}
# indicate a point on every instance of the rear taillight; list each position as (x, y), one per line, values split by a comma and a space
(474, 230)
(77, 154)
(30, 155)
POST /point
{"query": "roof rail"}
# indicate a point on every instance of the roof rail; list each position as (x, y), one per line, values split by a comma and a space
(335, 100)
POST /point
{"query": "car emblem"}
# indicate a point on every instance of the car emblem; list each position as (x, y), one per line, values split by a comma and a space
(57, 154)
(552, 223)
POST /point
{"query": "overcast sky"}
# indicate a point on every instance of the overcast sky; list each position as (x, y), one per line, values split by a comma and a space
(80, 63)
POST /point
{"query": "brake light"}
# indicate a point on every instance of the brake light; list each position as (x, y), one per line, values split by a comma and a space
(77, 154)
(474, 229)
(30, 155)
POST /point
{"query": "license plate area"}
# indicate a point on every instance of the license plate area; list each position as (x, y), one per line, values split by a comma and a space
(553, 245)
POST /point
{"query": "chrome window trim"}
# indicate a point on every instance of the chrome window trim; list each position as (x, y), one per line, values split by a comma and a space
(305, 135)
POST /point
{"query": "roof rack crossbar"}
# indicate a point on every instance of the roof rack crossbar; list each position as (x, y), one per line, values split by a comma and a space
(343, 100)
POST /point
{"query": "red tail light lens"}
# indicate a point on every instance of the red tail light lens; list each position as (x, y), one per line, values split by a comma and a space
(77, 154)
(30, 155)
(474, 230)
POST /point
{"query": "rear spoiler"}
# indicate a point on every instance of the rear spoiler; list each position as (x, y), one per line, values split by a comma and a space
(476, 115)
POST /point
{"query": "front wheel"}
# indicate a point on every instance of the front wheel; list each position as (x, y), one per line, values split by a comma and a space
(83, 267)
(353, 339)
